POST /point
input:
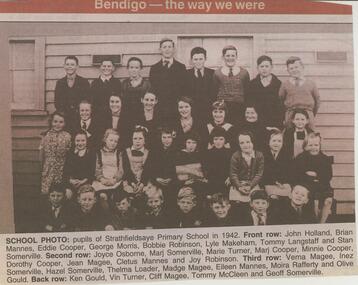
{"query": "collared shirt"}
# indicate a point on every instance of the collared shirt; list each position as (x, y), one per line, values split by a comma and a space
(275, 154)
(169, 60)
(81, 152)
(104, 78)
(196, 71)
(235, 70)
(56, 210)
(258, 218)
(266, 80)
(248, 157)
(297, 81)
(141, 149)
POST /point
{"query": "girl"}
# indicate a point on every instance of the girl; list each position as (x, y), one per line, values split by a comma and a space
(53, 150)
(231, 81)
(136, 162)
(109, 167)
(147, 117)
(276, 176)
(80, 163)
(219, 112)
(246, 169)
(134, 87)
(186, 121)
(294, 137)
(253, 124)
(315, 169)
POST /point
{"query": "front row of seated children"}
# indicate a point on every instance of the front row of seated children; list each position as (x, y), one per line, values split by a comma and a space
(88, 215)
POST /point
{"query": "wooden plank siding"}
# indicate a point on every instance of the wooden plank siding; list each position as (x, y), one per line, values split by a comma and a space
(335, 120)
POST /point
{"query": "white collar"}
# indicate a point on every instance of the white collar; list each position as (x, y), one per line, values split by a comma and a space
(141, 149)
(248, 156)
(104, 78)
(170, 60)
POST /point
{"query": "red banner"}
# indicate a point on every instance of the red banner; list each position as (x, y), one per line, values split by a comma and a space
(175, 6)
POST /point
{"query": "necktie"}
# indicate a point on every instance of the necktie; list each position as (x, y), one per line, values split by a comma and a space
(56, 211)
(84, 126)
(231, 74)
(200, 76)
(166, 63)
(261, 220)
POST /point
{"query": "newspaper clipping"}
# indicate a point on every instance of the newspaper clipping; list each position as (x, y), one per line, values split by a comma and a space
(167, 140)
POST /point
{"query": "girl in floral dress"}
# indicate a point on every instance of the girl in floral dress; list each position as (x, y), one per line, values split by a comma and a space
(53, 149)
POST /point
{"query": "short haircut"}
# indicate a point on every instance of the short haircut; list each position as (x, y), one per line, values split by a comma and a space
(311, 136)
(218, 198)
(56, 113)
(275, 132)
(140, 129)
(263, 58)
(192, 135)
(299, 111)
(108, 58)
(57, 187)
(186, 192)
(134, 58)
(219, 105)
(166, 130)
(109, 132)
(149, 92)
(304, 186)
(119, 196)
(72, 57)
(80, 132)
(293, 59)
(218, 132)
(162, 41)
(85, 102)
(246, 133)
(187, 100)
(259, 195)
(229, 47)
(86, 188)
(197, 50)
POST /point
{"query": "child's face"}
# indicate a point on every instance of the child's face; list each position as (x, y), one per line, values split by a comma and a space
(134, 68)
(81, 141)
(264, 68)
(218, 142)
(295, 69)
(70, 67)
(115, 104)
(138, 140)
(221, 210)
(198, 60)
(230, 58)
(167, 140)
(167, 49)
(219, 116)
(85, 111)
(58, 123)
(112, 142)
(107, 68)
(186, 204)
(246, 144)
(299, 195)
(300, 121)
(184, 109)
(87, 200)
(149, 101)
(259, 206)
(276, 142)
(313, 145)
(56, 198)
(123, 205)
(190, 145)
(155, 202)
(251, 115)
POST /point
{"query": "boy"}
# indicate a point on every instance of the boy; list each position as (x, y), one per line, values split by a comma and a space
(200, 84)
(259, 214)
(104, 86)
(297, 210)
(71, 89)
(89, 217)
(299, 92)
(56, 214)
(168, 80)
(155, 217)
(217, 162)
(263, 93)
(188, 215)
(221, 214)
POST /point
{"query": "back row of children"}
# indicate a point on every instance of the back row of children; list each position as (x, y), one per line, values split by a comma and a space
(167, 152)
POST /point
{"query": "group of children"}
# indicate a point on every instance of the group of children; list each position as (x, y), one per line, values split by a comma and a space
(186, 148)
